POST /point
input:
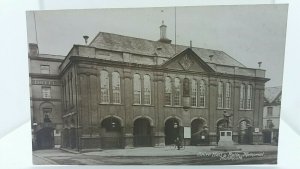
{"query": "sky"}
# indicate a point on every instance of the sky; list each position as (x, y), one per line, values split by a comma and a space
(248, 33)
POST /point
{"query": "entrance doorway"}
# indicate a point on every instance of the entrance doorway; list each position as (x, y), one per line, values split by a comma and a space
(267, 136)
(142, 133)
(245, 133)
(45, 138)
(171, 131)
(199, 132)
(111, 133)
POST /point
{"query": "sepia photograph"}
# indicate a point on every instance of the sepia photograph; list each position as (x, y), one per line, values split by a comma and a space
(197, 85)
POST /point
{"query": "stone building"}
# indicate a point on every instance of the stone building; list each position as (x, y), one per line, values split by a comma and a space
(45, 98)
(121, 92)
(271, 116)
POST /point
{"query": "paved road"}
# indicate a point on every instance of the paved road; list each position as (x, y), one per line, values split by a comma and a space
(60, 157)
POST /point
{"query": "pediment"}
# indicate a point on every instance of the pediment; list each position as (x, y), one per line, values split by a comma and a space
(187, 60)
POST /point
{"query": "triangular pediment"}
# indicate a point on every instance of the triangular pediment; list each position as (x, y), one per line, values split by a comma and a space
(187, 60)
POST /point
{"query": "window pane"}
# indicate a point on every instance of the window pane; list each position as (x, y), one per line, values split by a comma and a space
(220, 95)
(202, 94)
(270, 111)
(46, 92)
(242, 96)
(45, 69)
(168, 91)
(177, 92)
(228, 95)
(147, 90)
(116, 87)
(249, 97)
(104, 80)
(194, 93)
(137, 89)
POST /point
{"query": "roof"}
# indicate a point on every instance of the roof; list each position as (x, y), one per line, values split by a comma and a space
(140, 46)
(52, 56)
(271, 93)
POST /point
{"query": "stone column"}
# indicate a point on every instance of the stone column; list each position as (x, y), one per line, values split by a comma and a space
(258, 101)
(236, 106)
(158, 130)
(128, 101)
(212, 114)
(88, 102)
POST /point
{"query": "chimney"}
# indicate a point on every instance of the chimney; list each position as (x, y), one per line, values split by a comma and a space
(259, 64)
(33, 50)
(86, 38)
(211, 57)
(163, 34)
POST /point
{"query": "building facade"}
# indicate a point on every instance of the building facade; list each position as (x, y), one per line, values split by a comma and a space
(45, 98)
(122, 92)
(271, 116)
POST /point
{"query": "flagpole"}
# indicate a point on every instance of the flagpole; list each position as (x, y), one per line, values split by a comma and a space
(175, 29)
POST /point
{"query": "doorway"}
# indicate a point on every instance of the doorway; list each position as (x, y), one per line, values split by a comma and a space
(111, 135)
(45, 138)
(171, 131)
(142, 133)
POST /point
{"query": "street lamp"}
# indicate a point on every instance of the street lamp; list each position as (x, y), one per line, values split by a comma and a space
(175, 125)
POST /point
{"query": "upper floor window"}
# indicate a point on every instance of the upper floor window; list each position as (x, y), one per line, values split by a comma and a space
(270, 124)
(177, 92)
(71, 88)
(242, 96)
(227, 95)
(249, 96)
(202, 94)
(66, 93)
(46, 92)
(137, 89)
(168, 91)
(104, 83)
(116, 90)
(270, 111)
(45, 69)
(194, 93)
(220, 94)
(47, 112)
(186, 87)
(147, 89)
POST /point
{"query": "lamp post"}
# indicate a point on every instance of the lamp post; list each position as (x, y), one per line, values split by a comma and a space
(34, 141)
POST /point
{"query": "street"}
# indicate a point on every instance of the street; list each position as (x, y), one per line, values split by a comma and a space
(60, 157)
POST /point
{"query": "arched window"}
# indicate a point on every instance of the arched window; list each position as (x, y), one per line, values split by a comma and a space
(104, 83)
(116, 90)
(147, 90)
(177, 91)
(202, 94)
(186, 87)
(220, 94)
(227, 95)
(194, 93)
(242, 96)
(249, 96)
(137, 89)
(168, 91)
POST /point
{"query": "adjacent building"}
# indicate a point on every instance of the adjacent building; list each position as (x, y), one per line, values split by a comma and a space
(121, 92)
(45, 98)
(271, 116)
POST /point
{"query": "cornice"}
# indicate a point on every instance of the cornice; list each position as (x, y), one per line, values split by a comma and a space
(44, 76)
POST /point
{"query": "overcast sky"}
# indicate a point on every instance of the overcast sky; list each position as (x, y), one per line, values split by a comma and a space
(247, 33)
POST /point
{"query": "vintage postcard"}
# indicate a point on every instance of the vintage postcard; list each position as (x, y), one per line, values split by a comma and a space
(156, 86)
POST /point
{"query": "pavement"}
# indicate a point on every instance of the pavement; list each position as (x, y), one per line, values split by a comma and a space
(155, 151)
(155, 155)
(172, 151)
